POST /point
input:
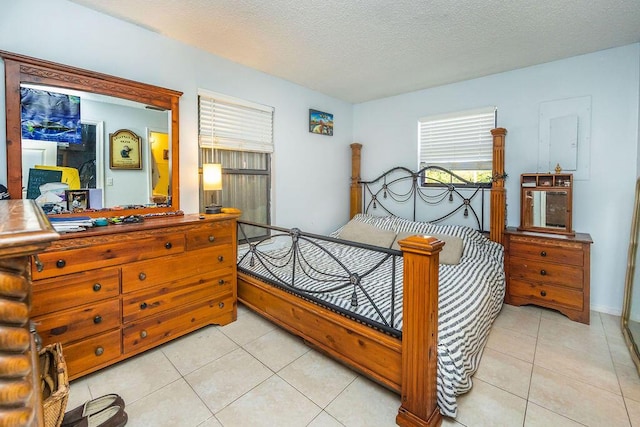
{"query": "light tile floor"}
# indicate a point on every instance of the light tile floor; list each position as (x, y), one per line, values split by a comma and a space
(538, 369)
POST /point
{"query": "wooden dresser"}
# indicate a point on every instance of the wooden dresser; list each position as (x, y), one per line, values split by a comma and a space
(111, 292)
(24, 231)
(549, 270)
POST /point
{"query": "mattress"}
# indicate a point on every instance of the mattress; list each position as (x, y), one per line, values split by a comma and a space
(367, 285)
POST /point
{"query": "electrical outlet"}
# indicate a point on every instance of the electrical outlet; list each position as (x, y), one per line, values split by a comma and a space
(109, 181)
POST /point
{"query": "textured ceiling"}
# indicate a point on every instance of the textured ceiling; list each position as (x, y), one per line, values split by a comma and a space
(359, 50)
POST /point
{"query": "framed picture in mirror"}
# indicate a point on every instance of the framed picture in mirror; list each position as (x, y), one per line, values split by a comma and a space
(124, 146)
(77, 200)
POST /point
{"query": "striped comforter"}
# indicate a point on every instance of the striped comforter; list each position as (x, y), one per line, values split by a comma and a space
(470, 293)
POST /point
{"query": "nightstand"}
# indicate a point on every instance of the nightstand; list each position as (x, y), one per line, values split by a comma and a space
(549, 270)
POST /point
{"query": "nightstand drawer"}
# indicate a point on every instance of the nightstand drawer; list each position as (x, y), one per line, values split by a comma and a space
(51, 295)
(151, 301)
(89, 353)
(71, 325)
(531, 270)
(158, 329)
(546, 294)
(571, 255)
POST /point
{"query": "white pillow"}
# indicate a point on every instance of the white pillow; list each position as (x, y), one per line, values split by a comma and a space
(360, 232)
(451, 252)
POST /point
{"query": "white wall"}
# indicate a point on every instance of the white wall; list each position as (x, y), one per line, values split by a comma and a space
(602, 203)
(311, 172)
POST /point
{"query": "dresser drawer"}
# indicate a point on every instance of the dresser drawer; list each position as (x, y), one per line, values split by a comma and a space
(51, 295)
(195, 289)
(149, 273)
(533, 270)
(71, 325)
(214, 233)
(547, 294)
(57, 263)
(87, 354)
(568, 254)
(167, 326)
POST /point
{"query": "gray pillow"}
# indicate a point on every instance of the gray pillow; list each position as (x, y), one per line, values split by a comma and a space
(451, 252)
(360, 232)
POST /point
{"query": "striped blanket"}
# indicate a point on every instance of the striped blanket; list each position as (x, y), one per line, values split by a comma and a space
(362, 281)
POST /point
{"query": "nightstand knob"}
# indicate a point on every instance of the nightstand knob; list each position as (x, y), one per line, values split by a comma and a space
(543, 253)
(61, 263)
(220, 258)
(543, 293)
(142, 276)
(221, 305)
(97, 287)
(99, 351)
(97, 319)
(168, 245)
(221, 282)
(543, 272)
(143, 334)
(212, 238)
(143, 306)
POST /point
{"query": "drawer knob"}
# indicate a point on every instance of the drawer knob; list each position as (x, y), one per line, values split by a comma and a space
(143, 306)
(168, 245)
(61, 263)
(221, 305)
(99, 351)
(543, 293)
(143, 334)
(220, 258)
(212, 238)
(97, 287)
(543, 272)
(142, 276)
(39, 264)
(221, 282)
(97, 319)
(543, 253)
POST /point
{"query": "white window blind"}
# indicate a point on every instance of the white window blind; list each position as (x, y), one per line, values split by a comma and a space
(458, 141)
(234, 124)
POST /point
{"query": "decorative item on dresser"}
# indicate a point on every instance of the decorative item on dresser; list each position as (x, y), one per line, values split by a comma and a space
(550, 270)
(24, 231)
(112, 292)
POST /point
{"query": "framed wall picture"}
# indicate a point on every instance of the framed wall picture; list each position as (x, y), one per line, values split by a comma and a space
(125, 149)
(320, 122)
(77, 200)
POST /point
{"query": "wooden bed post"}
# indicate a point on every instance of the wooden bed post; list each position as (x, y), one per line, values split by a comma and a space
(418, 405)
(356, 188)
(498, 192)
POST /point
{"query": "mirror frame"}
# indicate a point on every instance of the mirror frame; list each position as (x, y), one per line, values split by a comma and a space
(551, 185)
(629, 280)
(23, 69)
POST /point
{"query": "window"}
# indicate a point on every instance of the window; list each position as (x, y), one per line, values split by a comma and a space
(239, 135)
(460, 142)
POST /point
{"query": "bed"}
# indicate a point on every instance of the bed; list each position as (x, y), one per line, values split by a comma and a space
(394, 313)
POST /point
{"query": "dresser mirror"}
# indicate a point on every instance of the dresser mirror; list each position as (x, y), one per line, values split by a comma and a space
(546, 201)
(631, 304)
(107, 104)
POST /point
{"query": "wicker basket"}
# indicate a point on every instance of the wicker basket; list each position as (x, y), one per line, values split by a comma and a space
(54, 384)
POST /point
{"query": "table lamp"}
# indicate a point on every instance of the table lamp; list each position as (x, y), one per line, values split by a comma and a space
(212, 181)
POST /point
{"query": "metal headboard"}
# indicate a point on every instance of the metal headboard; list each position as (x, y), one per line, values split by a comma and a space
(399, 188)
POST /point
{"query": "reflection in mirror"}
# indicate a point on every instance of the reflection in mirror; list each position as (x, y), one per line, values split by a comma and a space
(631, 306)
(548, 208)
(100, 116)
(107, 104)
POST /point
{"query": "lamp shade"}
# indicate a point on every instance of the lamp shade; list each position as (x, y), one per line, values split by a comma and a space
(211, 176)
